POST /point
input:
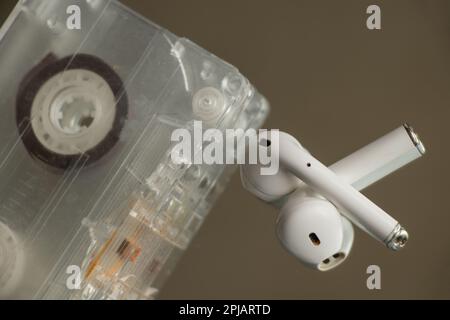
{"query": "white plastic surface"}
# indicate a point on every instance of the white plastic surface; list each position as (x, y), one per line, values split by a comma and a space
(350, 202)
(362, 168)
(378, 159)
(313, 230)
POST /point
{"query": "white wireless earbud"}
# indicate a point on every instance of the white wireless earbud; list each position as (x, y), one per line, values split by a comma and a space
(361, 169)
(306, 218)
(295, 159)
(313, 230)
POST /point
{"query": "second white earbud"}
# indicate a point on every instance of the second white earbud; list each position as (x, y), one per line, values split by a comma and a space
(313, 230)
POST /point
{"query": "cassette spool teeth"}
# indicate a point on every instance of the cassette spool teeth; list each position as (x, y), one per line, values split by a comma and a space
(72, 112)
(73, 108)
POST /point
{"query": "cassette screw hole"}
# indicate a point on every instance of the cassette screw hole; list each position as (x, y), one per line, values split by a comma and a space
(208, 104)
(232, 84)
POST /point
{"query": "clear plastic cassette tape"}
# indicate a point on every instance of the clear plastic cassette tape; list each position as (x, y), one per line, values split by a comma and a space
(91, 207)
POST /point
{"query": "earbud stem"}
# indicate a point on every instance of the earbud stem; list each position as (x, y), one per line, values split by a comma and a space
(358, 208)
(380, 158)
(360, 169)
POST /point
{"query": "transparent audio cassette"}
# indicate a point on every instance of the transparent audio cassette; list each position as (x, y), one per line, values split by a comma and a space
(91, 207)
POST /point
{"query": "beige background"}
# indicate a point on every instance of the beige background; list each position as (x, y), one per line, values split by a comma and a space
(336, 86)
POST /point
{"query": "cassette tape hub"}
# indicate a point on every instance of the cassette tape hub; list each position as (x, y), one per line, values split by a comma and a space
(78, 106)
(91, 206)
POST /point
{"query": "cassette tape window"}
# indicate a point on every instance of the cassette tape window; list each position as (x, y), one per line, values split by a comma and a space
(92, 207)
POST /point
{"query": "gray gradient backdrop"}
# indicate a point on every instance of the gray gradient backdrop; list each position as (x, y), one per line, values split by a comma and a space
(336, 86)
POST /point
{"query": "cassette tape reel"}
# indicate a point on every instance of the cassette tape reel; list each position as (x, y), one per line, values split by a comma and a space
(91, 205)
(74, 106)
